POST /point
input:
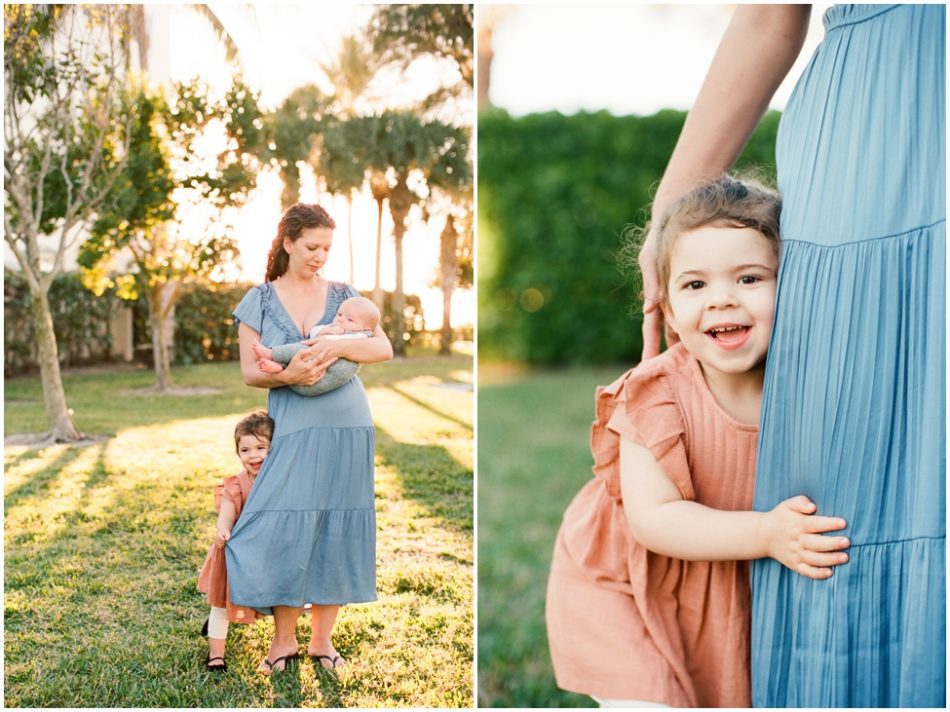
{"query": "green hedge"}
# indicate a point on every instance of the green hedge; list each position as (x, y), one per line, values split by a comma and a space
(204, 327)
(555, 194)
(80, 319)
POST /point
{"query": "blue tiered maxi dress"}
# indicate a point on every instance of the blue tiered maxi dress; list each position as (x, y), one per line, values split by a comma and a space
(854, 408)
(307, 533)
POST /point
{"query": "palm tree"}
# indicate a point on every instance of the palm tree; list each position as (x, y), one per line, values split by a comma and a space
(455, 243)
(351, 74)
(294, 132)
(399, 145)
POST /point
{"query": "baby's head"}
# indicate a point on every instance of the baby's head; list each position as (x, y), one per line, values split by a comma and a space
(252, 436)
(717, 257)
(357, 314)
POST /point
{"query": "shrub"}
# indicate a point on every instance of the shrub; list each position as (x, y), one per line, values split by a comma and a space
(555, 194)
(80, 320)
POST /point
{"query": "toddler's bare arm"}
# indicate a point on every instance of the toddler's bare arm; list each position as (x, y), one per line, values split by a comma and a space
(226, 518)
(662, 521)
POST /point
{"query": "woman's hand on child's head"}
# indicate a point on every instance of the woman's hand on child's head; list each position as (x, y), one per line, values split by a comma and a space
(794, 538)
(653, 323)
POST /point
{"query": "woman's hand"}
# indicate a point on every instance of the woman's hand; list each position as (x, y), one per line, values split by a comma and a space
(794, 538)
(653, 323)
(308, 365)
(652, 315)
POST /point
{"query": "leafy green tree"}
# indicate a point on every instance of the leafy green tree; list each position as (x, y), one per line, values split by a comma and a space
(166, 176)
(66, 130)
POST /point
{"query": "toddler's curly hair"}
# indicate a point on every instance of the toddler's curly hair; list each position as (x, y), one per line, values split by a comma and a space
(258, 424)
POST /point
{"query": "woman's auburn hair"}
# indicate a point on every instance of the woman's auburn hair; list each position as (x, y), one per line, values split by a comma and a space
(298, 218)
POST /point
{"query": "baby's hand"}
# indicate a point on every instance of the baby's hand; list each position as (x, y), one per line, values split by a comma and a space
(222, 538)
(261, 351)
(794, 538)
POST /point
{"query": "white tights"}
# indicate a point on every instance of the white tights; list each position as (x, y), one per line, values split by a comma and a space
(218, 623)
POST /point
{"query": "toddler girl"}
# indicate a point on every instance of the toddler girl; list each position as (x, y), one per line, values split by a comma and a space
(356, 318)
(252, 437)
(648, 599)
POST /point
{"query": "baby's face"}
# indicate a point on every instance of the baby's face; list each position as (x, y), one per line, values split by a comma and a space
(252, 450)
(351, 318)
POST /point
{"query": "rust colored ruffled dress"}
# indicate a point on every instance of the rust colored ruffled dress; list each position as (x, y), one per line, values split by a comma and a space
(622, 621)
(213, 578)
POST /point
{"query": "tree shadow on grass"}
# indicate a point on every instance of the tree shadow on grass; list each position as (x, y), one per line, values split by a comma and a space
(433, 477)
(428, 407)
(44, 477)
(101, 582)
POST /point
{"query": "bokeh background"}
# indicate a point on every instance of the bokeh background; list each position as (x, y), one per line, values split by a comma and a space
(149, 152)
(579, 111)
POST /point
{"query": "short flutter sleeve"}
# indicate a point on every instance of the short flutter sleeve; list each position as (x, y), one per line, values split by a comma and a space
(641, 406)
(250, 310)
(230, 489)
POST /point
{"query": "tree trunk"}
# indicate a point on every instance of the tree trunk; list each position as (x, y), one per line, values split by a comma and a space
(349, 233)
(290, 195)
(400, 201)
(448, 265)
(161, 322)
(62, 427)
(377, 287)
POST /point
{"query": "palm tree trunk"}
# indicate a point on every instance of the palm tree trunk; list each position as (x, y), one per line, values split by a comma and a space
(377, 286)
(290, 195)
(349, 233)
(61, 424)
(400, 201)
(447, 268)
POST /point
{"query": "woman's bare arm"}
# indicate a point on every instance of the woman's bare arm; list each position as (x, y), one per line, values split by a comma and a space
(299, 371)
(758, 49)
(372, 350)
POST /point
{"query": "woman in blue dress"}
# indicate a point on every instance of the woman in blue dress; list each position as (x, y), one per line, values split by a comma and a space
(307, 533)
(853, 412)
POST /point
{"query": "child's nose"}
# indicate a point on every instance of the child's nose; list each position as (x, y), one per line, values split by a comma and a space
(721, 297)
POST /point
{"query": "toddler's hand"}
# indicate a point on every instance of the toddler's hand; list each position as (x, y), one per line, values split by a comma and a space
(794, 538)
(221, 538)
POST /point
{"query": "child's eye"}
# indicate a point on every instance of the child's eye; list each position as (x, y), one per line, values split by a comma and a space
(749, 279)
(695, 284)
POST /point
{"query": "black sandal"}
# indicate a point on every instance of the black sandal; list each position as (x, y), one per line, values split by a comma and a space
(217, 668)
(333, 661)
(285, 659)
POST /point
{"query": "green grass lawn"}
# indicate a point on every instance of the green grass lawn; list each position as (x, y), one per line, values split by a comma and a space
(103, 545)
(533, 457)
